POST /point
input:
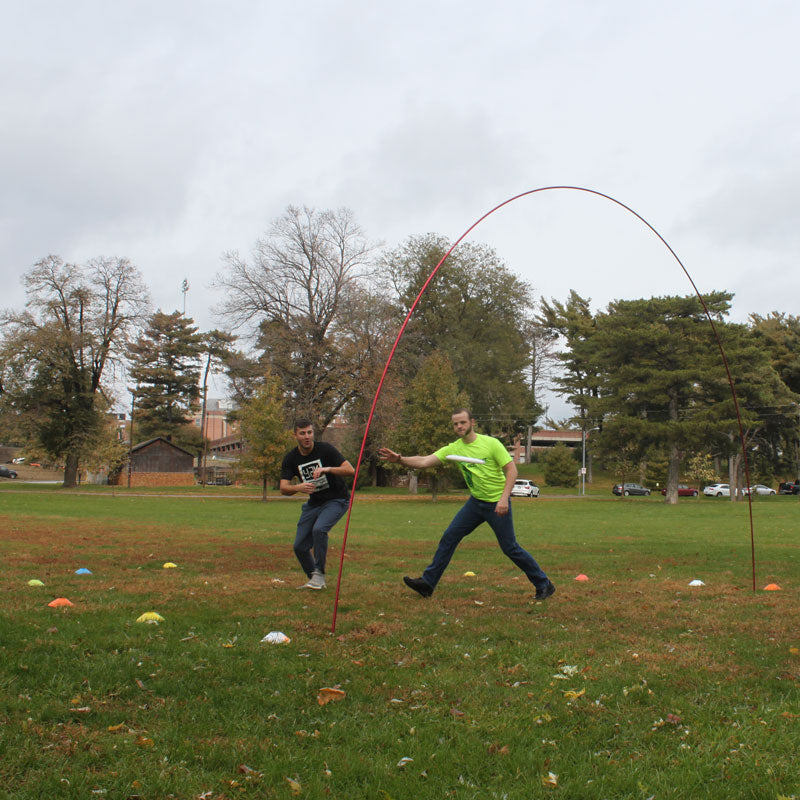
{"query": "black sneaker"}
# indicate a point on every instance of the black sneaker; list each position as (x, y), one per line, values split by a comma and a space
(418, 585)
(545, 591)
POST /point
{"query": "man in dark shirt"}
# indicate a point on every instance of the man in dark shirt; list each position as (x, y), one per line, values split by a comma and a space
(321, 470)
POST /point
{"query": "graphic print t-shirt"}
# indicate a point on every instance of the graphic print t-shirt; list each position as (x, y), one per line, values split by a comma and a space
(329, 487)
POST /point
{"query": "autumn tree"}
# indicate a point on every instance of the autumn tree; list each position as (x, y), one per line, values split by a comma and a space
(56, 353)
(293, 294)
(264, 432)
(476, 312)
(428, 406)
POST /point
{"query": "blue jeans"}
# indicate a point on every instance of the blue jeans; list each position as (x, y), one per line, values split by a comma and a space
(472, 514)
(312, 531)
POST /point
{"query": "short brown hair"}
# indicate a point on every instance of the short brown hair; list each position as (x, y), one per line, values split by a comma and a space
(302, 422)
(463, 411)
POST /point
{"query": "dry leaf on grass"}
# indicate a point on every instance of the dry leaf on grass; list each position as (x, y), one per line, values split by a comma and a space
(550, 780)
(294, 785)
(329, 695)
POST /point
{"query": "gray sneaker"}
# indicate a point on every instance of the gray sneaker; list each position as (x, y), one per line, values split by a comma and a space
(316, 581)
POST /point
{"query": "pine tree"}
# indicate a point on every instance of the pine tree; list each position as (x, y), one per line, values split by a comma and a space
(560, 467)
(653, 356)
(165, 364)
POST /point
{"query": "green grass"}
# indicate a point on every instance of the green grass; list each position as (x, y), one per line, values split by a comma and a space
(632, 685)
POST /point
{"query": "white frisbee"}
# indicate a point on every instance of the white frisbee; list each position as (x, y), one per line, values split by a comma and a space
(466, 459)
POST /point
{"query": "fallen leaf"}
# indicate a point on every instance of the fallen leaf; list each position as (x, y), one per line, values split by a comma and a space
(571, 695)
(795, 651)
(143, 741)
(294, 785)
(403, 761)
(114, 728)
(495, 749)
(329, 695)
(550, 780)
(245, 770)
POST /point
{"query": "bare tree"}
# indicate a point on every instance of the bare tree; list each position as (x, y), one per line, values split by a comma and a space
(544, 360)
(293, 294)
(75, 324)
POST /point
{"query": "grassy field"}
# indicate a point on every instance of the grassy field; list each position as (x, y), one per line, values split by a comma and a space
(630, 685)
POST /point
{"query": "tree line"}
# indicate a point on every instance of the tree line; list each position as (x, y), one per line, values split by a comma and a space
(308, 317)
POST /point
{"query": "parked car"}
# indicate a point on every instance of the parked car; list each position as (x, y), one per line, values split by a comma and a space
(524, 488)
(717, 490)
(684, 490)
(789, 488)
(759, 488)
(5, 472)
(630, 488)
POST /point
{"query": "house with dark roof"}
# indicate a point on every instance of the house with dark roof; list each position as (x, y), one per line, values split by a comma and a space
(158, 462)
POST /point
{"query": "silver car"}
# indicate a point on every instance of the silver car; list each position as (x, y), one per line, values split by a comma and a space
(524, 488)
(759, 488)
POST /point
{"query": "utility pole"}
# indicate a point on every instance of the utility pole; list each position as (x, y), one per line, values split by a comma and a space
(130, 439)
(185, 290)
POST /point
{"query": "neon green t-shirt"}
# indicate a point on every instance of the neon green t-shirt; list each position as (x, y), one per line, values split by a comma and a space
(484, 481)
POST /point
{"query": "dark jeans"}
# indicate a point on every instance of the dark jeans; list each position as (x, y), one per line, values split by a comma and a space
(472, 514)
(312, 531)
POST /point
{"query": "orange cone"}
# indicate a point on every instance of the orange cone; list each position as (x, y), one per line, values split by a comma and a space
(60, 602)
(772, 587)
(582, 577)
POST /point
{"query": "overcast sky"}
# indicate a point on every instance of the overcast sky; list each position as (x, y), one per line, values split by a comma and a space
(171, 132)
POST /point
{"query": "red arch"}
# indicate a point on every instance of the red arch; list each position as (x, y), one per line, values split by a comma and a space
(422, 291)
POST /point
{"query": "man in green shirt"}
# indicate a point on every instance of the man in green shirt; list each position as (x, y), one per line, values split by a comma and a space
(489, 473)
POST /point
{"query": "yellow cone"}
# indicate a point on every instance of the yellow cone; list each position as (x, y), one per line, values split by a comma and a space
(150, 616)
(169, 565)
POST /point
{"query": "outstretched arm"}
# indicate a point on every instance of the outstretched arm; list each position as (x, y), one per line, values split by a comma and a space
(412, 462)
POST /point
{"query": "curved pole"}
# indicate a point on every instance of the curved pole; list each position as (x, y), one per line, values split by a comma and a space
(422, 291)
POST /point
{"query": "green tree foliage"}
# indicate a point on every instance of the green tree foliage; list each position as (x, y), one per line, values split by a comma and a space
(165, 364)
(429, 404)
(578, 381)
(573, 321)
(297, 291)
(654, 356)
(560, 467)
(475, 311)
(55, 353)
(766, 406)
(779, 334)
(264, 432)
